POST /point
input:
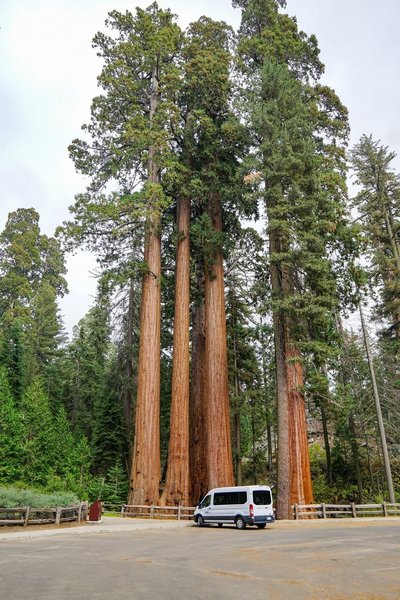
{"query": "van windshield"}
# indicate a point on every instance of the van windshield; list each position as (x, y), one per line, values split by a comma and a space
(262, 497)
(205, 502)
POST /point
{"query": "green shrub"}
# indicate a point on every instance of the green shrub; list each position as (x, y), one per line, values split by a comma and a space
(13, 497)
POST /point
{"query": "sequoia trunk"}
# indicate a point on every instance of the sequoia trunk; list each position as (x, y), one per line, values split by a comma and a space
(177, 488)
(283, 459)
(294, 476)
(217, 413)
(300, 473)
(198, 438)
(145, 475)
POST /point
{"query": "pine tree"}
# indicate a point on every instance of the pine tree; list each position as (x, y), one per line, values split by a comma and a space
(31, 268)
(378, 204)
(38, 449)
(13, 356)
(11, 434)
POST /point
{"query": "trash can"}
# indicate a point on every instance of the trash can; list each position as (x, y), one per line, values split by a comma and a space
(95, 511)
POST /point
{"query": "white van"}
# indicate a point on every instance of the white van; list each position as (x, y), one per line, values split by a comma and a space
(240, 505)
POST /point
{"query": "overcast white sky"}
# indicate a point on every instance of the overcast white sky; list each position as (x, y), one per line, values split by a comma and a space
(48, 78)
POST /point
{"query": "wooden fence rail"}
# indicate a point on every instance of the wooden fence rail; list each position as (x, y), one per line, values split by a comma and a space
(352, 510)
(161, 512)
(27, 515)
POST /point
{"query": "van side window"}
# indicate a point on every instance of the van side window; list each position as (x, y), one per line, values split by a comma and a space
(206, 502)
(262, 497)
(222, 498)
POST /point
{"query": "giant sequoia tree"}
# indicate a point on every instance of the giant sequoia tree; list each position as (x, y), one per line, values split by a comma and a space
(298, 127)
(208, 144)
(129, 146)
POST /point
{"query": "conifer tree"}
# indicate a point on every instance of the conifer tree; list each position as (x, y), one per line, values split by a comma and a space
(130, 145)
(11, 434)
(32, 278)
(209, 140)
(378, 204)
(13, 356)
(38, 449)
(219, 141)
(298, 126)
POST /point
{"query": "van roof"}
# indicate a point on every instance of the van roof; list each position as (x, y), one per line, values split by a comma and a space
(238, 488)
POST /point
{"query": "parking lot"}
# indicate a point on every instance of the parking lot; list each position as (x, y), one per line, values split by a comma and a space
(289, 560)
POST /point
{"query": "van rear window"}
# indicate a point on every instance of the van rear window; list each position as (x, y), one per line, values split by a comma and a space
(221, 498)
(262, 497)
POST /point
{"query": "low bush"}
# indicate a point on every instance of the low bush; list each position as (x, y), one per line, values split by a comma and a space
(14, 496)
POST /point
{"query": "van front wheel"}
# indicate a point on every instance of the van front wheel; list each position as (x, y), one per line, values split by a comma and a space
(240, 523)
(200, 521)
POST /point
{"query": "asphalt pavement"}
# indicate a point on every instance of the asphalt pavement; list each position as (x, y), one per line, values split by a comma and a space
(137, 559)
(106, 525)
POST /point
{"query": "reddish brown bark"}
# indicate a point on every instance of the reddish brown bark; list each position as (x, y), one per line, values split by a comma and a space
(294, 476)
(177, 487)
(283, 459)
(198, 438)
(300, 474)
(217, 411)
(145, 474)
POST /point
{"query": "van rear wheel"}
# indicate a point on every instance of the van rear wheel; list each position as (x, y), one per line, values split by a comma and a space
(240, 523)
(200, 521)
(220, 524)
(261, 525)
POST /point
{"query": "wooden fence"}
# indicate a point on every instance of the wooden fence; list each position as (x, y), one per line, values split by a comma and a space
(352, 510)
(27, 515)
(160, 512)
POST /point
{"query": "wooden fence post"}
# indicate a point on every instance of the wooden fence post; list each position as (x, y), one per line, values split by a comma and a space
(296, 511)
(28, 510)
(152, 511)
(58, 515)
(353, 509)
(80, 511)
(323, 507)
(179, 512)
(385, 511)
(123, 510)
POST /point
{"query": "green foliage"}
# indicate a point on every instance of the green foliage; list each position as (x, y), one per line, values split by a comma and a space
(13, 357)
(121, 131)
(299, 130)
(12, 497)
(245, 122)
(39, 435)
(11, 435)
(116, 486)
(31, 279)
(378, 207)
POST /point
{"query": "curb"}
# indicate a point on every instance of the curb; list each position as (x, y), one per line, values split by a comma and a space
(94, 528)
